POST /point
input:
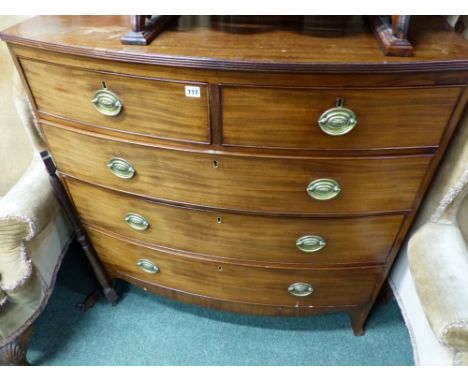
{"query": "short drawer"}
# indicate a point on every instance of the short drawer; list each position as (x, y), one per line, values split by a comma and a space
(234, 236)
(359, 185)
(249, 284)
(148, 106)
(381, 118)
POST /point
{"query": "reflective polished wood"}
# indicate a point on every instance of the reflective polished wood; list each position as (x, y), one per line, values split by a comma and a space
(222, 178)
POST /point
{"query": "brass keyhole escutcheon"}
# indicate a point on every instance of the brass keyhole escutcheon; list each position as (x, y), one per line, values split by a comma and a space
(338, 120)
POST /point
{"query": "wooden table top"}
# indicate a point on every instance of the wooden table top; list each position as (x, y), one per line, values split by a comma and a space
(303, 43)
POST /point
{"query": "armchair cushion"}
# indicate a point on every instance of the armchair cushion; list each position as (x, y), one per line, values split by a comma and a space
(26, 302)
(24, 211)
(438, 260)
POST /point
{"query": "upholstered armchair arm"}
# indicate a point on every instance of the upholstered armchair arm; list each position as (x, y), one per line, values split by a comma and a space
(438, 260)
(24, 212)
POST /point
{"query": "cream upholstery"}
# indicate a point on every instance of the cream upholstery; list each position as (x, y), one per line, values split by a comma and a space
(33, 230)
(430, 277)
(10, 121)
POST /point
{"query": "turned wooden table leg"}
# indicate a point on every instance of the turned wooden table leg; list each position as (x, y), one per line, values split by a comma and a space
(60, 193)
(14, 353)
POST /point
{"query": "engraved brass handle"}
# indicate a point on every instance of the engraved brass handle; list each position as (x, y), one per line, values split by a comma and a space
(300, 289)
(137, 222)
(338, 120)
(121, 167)
(147, 265)
(107, 102)
(323, 189)
(310, 243)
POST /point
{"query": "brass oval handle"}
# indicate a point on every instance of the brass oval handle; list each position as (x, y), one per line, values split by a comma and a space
(121, 168)
(323, 189)
(310, 243)
(107, 102)
(147, 265)
(338, 120)
(300, 289)
(137, 222)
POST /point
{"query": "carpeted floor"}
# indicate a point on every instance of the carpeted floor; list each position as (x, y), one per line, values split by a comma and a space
(143, 329)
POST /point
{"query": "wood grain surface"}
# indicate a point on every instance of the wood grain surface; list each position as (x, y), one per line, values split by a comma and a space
(256, 184)
(237, 237)
(222, 179)
(237, 283)
(298, 43)
(228, 77)
(150, 107)
(288, 118)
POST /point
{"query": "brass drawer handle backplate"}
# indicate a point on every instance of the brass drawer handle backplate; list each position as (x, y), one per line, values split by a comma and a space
(147, 266)
(338, 120)
(323, 189)
(107, 102)
(300, 289)
(310, 243)
(121, 168)
(137, 222)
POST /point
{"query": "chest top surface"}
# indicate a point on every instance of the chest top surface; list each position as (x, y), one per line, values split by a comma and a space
(256, 43)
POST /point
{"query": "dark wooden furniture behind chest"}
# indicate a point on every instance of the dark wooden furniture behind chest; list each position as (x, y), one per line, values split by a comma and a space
(260, 168)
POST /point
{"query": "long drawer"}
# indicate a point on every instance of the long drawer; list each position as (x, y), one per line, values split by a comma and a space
(148, 106)
(239, 237)
(248, 284)
(367, 118)
(357, 185)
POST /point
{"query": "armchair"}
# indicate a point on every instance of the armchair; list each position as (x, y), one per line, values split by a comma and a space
(34, 232)
(430, 278)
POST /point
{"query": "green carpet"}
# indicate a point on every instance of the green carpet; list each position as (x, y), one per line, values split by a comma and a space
(143, 329)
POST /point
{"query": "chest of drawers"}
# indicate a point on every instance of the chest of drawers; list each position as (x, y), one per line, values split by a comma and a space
(227, 171)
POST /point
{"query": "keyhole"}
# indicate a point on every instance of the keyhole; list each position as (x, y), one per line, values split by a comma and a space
(219, 220)
(215, 164)
(339, 102)
(104, 85)
(220, 268)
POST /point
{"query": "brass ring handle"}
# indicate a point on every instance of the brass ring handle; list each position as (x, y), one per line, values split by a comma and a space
(121, 168)
(323, 189)
(137, 222)
(338, 120)
(300, 289)
(147, 266)
(107, 102)
(310, 243)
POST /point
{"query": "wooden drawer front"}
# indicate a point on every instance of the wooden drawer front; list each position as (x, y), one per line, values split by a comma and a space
(236, 282)
(243, 237)
(150, 107)
(244, 183)
(288, 118)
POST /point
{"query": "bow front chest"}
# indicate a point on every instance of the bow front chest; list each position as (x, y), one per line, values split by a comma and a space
(271, 172)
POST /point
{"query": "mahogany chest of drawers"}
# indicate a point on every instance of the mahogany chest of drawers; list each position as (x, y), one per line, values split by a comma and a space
(270, 173)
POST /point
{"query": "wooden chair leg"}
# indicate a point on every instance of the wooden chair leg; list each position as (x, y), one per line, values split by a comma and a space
(90, 253)
(14, 353)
